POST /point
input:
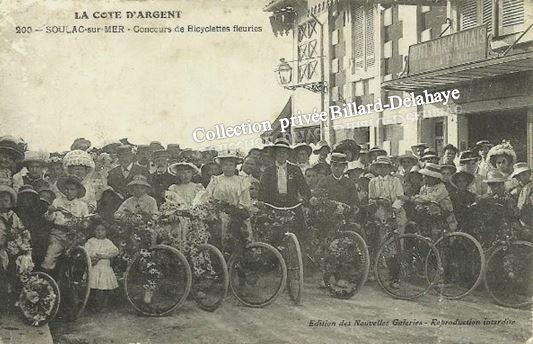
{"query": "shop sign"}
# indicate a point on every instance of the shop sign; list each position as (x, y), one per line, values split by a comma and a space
(448, 51)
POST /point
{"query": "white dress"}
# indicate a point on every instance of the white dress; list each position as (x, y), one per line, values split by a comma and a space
(102, 275)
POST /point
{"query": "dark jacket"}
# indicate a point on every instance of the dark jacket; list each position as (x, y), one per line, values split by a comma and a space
(343, 190)
(116, 179)
(296, 185)
(160, 183)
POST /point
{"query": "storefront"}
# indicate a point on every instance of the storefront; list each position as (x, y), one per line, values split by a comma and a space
(495, 102)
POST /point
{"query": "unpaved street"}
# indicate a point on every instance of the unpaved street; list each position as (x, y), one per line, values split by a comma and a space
(284, 323)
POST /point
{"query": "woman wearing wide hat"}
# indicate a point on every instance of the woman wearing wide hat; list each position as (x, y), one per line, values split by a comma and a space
(322, 150)
(302, 152)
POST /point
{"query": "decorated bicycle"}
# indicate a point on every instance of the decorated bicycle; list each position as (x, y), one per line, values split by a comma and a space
(157, 278)
(400, 260)
(508, 268)
(276, 226)
(457, 279)
(35, 294)
(257, 270)
(337, 247)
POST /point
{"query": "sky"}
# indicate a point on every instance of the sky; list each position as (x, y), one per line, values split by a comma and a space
(55, 88)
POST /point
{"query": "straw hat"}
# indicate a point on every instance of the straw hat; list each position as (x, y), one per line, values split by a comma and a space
(382, 160)
(280, 143)
(355, 165)
(64, 181)
(431, 170)
(174, 168)
(378, 150)
(461, 174)
(11, 192)
(429, 154)
(13, 146)
(229, 155)
(495, 176)
(35, 157)
(28, 189)
(468, 155)
(520, 167)
(338, 158)
(139, 180)
(420, 144)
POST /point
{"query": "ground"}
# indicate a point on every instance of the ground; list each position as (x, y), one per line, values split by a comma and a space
(282, 322)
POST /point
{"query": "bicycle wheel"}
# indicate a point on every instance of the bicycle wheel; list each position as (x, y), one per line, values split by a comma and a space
(158, 280)
(508, 274)
(400, 266)
(211, 285)
(347, 263)
(39, 299)
(73, 280)
(295, 272)
(463, 263)
(257, 274)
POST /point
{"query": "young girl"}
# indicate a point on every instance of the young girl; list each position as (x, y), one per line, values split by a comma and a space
(80, 164)
(187, 191)
(101, 250)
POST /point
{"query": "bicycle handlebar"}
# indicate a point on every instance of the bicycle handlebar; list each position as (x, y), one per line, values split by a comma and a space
(297, 205)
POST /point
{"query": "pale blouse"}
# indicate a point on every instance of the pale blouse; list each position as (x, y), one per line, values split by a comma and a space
(388, 187)
(435, 193)
(76, 207)
(187, 192)
(138, 205)
(234, 190)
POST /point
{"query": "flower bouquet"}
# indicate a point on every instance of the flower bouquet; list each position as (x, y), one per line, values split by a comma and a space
(270, 225)
(38, 300)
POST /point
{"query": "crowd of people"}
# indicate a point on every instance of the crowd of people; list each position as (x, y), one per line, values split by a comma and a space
(39, 192)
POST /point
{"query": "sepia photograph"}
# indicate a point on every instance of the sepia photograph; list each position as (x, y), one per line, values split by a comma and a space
(266, 171)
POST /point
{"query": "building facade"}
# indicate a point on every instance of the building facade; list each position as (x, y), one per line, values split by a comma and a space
(365, 50)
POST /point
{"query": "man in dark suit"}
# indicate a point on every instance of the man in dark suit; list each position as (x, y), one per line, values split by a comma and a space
(283, 184)
(160, 179)
(119, 177)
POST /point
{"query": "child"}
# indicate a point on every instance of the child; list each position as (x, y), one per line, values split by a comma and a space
(31, 211)
(434, 190)
(140, 203)
(101, 250)
(447, 172)
(15, 247)
(312, 178)
(71, 203)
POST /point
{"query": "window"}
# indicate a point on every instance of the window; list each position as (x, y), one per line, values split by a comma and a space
(502, 17)
(363, 37)
(335, 37)
(387, 16)
(511, 16)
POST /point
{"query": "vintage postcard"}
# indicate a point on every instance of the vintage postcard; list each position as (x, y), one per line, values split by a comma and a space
(266, 171)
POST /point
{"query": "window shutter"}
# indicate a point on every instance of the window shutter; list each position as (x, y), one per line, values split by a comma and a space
(512, 16)
(487, 14)
(468, 14)
(358, 36)
(370, 58)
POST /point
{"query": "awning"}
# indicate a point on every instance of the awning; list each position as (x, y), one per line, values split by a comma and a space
(276, 125)
(446, 77)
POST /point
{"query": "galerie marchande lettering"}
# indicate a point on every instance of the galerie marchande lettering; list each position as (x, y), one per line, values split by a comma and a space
(220, 131)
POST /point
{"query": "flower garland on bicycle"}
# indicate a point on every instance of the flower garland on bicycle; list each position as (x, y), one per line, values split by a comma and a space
(38, 298)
